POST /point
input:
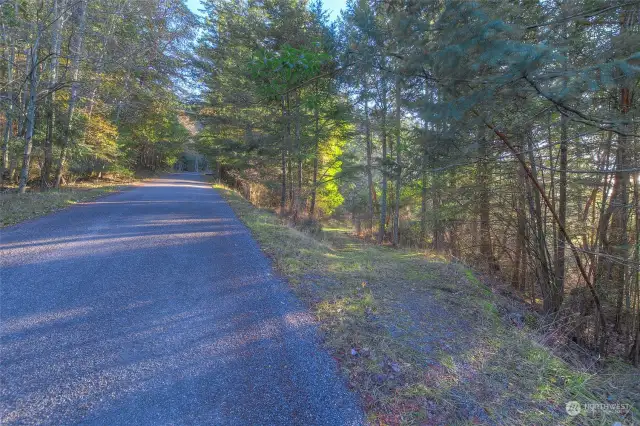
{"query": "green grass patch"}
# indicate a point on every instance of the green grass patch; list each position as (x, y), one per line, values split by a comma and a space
(15, 208)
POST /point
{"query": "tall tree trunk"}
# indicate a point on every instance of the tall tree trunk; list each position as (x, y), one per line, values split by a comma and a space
(24, 99)
(369, 147)
(9, 112)
(390, 192)
(557, 290)
(289, 154)
(518, 276)
(423, 199)
(291, 186)
(298, 191)
(438, 232)
(76, 48)
(100, 62)
(31, 113)
(283, 158)
(484, 204)
(609, 187)
(396, 213)
(619, 234)
(552, 179)
(58, 7)
(545, 274)
(316, 144)
(384, 162)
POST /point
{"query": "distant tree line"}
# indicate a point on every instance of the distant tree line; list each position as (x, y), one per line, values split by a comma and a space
(88, 87)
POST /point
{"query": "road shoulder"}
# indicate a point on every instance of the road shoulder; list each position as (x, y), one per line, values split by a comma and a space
(421, 339)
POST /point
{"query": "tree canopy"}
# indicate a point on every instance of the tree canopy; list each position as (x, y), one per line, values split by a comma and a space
(502, 134)
(91, 87)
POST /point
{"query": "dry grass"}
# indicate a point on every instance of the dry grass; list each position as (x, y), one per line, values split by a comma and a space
(15, 208)
(423, 341)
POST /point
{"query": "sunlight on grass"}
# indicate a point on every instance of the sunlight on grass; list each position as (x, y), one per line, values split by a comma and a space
(15, 208)
(420, 338)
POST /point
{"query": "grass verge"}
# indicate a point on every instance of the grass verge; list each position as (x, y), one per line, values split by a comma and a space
(423, 341)
(15, 208)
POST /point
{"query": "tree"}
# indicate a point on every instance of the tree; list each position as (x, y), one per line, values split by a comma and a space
(72, 94)
(499, 134)
(79, 15)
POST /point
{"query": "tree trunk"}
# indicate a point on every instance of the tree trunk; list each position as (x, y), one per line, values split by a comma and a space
(518, 276)
(283, 187)
(369, 148)
(298, 194)
(291, 187)
(619, 235)
(316, 143)
(289, 154)
(100, 62)
(383, 195)
(31, 114)
(396, 214)
(24, 99)
(545, 275)
(604, 214)
(9, 112)
(557, 290)
(75, 49)
(423, 204)
(484, 204)
(437, 221)
(58, 6)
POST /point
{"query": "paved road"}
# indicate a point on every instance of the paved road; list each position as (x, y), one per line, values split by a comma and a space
(155, 306)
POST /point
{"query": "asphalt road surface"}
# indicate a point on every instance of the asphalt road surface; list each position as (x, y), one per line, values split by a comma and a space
(155, 306)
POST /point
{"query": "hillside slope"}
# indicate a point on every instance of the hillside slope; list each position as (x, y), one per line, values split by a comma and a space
(425, 342)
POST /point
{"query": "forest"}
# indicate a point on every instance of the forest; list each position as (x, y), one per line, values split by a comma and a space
(501, 135)
(90, 88)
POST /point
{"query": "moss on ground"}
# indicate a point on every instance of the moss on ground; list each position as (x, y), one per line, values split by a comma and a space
(423, 340)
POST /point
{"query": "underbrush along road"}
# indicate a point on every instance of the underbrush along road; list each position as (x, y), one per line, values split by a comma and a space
(156, 306)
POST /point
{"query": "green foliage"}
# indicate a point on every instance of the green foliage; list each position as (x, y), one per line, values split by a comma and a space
(158, 131)
(120, 108)
(329, 196)
(264, 99)
(283, 69)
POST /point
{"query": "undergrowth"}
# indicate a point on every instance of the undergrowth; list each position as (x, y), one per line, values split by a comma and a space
(423, 341)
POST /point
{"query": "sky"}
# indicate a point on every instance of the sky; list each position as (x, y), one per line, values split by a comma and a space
(333, 6)
(194, 5)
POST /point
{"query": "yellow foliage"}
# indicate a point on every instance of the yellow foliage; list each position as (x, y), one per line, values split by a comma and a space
(101, 137)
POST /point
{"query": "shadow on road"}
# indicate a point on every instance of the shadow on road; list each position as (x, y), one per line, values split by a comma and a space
(155, 306)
